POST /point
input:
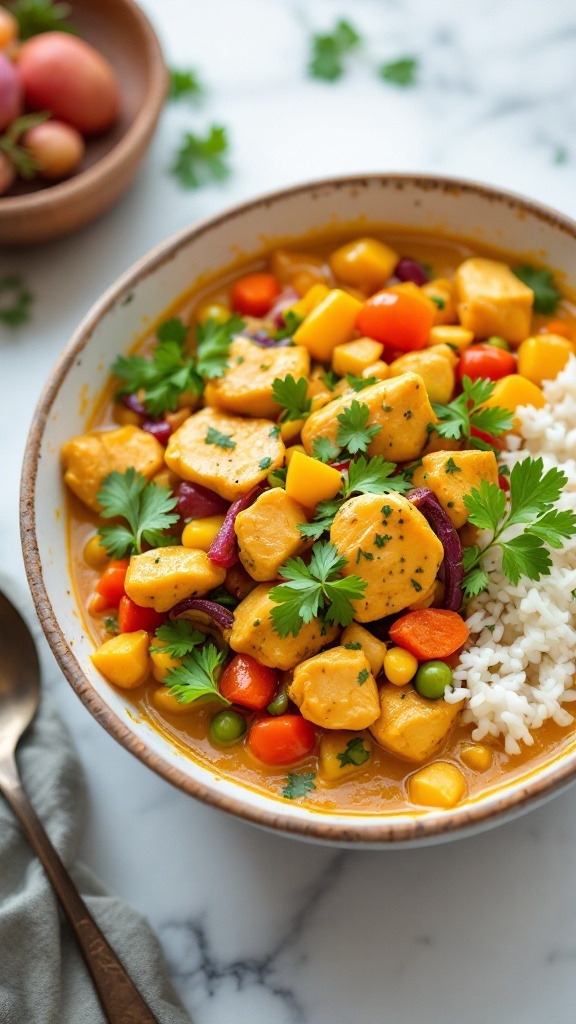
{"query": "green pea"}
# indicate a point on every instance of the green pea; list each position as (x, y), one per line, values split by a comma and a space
(227, 727)
(432, 678)
(496, 342)
(279, 705)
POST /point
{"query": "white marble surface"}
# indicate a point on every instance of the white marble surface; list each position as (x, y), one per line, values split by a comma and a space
(259, 929)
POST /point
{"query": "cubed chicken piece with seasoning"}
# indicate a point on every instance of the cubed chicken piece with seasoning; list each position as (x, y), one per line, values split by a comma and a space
(162, 577)
(492, 300)
(389, 544)
(336, 689)
(452, 475)
(226, 453)
(253, 633)
(410, 726)
(267, 533)
(435, 366)
(89, 458)
(399, 408)
(247, 384)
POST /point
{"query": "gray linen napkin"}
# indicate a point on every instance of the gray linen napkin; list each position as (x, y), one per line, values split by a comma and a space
(43, 979)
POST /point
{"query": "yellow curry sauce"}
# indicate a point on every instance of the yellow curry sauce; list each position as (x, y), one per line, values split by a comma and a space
(381, 784)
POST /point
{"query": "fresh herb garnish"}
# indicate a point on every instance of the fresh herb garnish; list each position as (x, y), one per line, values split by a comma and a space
(400, 72)
(223, 441)
(37, 16)
(196, 676)
(451, 466)
(178, 638)
(363, 676)
(184, 82)
(353, 430)
(365, 476)
(291, 324)
(359, 383)
(314, 590)
(298, 784)
(546, 296)
(168, 374)
(146, 507)
(356, 753)
(266, 462)
(111, 624)
(330, 379)
(328, 51)
(533, 494)
(354, 645)
(277, 478)
(324, 450)
(291, 395)
(467, 412)
(15, 302)
(439, 301)
(213, 342)
(200, 160)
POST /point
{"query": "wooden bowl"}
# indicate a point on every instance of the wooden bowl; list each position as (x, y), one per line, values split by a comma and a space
(121, 32)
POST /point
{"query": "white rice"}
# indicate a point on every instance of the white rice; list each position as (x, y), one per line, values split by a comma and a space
(518, 674)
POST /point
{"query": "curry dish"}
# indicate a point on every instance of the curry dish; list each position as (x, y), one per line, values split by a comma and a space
(291, 497)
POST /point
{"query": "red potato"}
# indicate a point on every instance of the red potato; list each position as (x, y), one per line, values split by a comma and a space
(7, 173)
(11, 93)
(8, 28)
(58, 147)
(71, 79)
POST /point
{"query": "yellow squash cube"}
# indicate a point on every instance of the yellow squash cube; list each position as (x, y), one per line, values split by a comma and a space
(162, 663)
(544, 357)
(364, 263)
(355, 356)
(435, 366)
(492, 300)
(343, 754)
(456, 337)
(439, 784)
(331, 323)
(290, 429)
(199, 533)
(310, 300)
(515, 391)
(123, 660)
(309, 481)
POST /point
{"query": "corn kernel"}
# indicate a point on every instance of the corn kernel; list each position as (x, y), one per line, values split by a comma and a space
(364, 263)
(543, 357)
(476, 756)
(354, 356)
(399, 666)
(95, 554)
(331, 323)
(439, 784)
(216, 311)
(199, 533)
(310, 300)
(514, 391)
(310, 481)
(456, 337)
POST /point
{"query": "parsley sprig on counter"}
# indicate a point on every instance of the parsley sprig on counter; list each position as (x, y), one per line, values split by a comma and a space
(197, 676)
(202, 159)
(184, 82)
(533, 494)
(402, 71)
(330, 49)
(15, 301)
(467, 412)
(146, 508)
(314, 590)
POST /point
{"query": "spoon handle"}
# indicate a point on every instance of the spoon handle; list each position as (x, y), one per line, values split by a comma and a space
(121, 1001)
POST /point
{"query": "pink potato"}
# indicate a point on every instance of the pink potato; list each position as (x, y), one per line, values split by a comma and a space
(71, 79)
(11, 93)
(56, 146)
(7, 173)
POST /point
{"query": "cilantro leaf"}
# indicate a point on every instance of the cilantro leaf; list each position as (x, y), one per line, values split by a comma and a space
(213, 342)
(373, 476)
(184, 82)
(359, 383)
(539, 279)
(291, 323)
(324, 450)
(36, 16)
(111, 624)
(298, 784)
(458, 418)
(402, 71)
(475, 582)
(277, 478)
(330, 379)
(200, 160)
(353, 431)
(196, 676)
(323, 519)
(165, 376)
(525, 555)
(486, 505)
(292, 396)
(329, 50)
(17, 300)
(178, 638)
(554, 527)
(223, 441)
(146, 508)
(532, 491)
(356, 753)
(314, 590)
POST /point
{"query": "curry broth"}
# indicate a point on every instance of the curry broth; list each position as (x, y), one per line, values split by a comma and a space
(381, 785)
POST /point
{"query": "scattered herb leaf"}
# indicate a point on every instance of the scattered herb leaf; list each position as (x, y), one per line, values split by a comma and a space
(353, 431)
(356, 753)
(291, 395)
(196, 676)
(178, 638)
(298, 784)
(15, 302)
(328, 51)
(459, 417)
(146, 507)
(184, 82)
(402, 72)
(223, 441)
(37, 16)
(314, 590)
(200, 160)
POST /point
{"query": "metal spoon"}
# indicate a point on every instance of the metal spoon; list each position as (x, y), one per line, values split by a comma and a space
(19, 697)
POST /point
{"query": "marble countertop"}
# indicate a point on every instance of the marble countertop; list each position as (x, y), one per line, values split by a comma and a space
(258, 928)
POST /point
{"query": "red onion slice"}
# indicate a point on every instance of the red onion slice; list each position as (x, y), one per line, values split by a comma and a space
(207, 616)
(197, 502)
(427, 503)
(411, 270)
(224, 549)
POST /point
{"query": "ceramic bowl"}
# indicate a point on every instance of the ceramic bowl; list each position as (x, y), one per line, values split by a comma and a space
(427, 204)
(121, 32)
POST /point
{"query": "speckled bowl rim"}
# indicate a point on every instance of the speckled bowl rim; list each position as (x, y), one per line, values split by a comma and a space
(516, 797)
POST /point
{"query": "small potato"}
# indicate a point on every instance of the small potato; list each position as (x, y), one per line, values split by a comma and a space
(11, 93)
(58, 147)
(71, 79)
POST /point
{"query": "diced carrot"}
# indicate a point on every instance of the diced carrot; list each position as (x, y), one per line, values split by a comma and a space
(282, 740)
(248, 683)
(557, 327)
(254, 294)
(131, 617)
(110, 586)
(430, 633)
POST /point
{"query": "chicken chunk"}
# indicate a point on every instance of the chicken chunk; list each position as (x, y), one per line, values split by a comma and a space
(162, 577)
(387, 542)
(253, 633)
(268, 534)
(452, 475)
(492, 300)
(436, 367)
(399, 407)
(89, 458)
(336, 690)
(246, 386)
(410, 726)
(226, 453)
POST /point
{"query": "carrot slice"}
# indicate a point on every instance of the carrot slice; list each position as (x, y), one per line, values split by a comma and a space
(430, 633)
